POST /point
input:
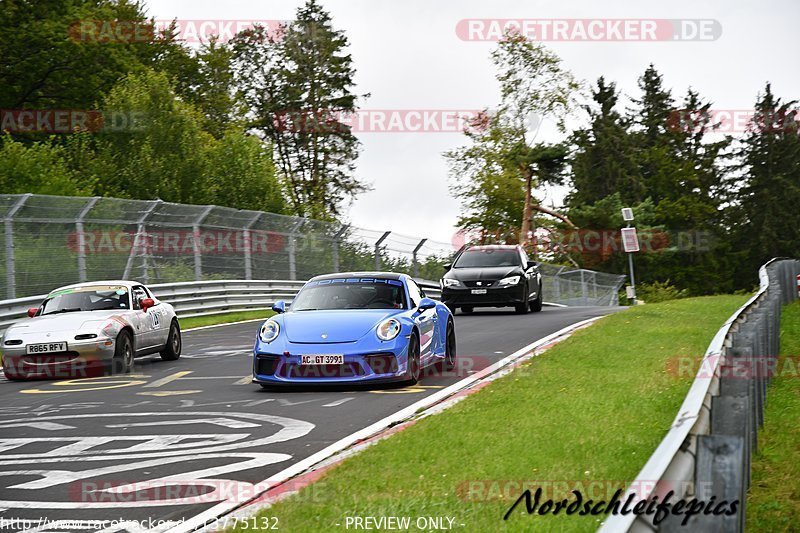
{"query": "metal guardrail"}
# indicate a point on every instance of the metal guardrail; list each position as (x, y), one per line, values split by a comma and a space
(707, 450)
(201, 298)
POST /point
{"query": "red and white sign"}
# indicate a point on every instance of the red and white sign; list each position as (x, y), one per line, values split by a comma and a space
(630, 242)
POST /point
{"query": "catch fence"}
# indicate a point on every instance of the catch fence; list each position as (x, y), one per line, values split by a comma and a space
(50, 241)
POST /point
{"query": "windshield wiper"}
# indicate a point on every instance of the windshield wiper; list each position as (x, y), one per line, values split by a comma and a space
(68, 310)
(307, 309)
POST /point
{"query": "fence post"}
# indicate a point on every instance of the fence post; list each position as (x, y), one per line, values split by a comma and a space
(414, 257)
(248, 251)
(11, 275)
(292, 250)
(82, 238)
(198, 253)
(337, 238)
(584, 292)
(140, 232)
(378, 250)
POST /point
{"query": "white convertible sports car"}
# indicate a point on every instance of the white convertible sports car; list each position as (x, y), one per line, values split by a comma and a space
(89, 329)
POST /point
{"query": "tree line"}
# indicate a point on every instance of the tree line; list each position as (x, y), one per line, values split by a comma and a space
(710, 207)
(126, 109)
(254, 123)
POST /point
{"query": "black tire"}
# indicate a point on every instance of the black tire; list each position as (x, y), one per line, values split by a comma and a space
(467, 309)
(172, 350)
(449, 362)
(123, 354)
(536, 305)
(414, 369)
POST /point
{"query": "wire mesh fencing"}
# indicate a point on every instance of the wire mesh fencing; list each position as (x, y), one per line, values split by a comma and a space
(51, 241)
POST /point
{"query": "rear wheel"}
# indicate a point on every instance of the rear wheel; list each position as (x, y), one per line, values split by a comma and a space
(123, 354)
(172, 350)
(413, 360)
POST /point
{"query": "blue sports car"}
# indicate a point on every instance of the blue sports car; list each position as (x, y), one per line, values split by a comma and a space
(354, 328)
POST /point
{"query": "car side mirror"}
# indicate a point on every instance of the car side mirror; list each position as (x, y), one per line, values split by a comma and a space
(531, 264)
(279, 307)
(426, 303)
(32, 311)
(447, 266)
(146, 304)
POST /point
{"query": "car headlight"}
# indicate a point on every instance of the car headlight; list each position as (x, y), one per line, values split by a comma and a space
(510, 280)
(388, 329)
(448, 282)
(269, 331)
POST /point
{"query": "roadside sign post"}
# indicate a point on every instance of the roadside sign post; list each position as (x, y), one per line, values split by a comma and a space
(630, 243)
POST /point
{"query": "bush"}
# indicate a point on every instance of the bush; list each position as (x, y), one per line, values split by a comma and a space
(659, 292)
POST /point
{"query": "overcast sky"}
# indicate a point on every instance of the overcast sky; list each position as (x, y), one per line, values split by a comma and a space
(408, 56)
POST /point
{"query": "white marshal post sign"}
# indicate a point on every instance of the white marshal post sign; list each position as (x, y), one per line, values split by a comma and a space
(630, 243)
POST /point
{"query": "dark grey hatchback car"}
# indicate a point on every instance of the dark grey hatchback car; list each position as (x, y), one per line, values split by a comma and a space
(492, 276)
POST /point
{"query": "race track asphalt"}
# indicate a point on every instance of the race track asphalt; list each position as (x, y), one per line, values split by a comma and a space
(199, 418)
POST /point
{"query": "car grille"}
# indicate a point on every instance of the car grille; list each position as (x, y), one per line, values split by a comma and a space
(483, 283)
(347, 370)
(50, 358)
(382, 363)
(266, 366)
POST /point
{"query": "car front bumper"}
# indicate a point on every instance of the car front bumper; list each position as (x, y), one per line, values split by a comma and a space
(385, 362)
(88, 358)
(493, 297)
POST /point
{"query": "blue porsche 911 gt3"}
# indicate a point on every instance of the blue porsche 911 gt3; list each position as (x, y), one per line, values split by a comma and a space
(354, 328)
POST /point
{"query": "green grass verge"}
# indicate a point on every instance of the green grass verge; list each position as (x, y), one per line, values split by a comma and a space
(593, 407)
(225, 318)
(773, 503)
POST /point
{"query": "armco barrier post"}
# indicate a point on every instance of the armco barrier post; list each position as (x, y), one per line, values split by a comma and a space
(720, 469)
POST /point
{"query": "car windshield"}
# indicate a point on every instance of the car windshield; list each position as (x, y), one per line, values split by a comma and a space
(99, 298)
(488, 257)
(350, 293)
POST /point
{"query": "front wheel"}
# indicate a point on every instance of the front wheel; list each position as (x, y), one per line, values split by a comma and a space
(536, 305)
(123, 354)
(413, 360)
(172, 350)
